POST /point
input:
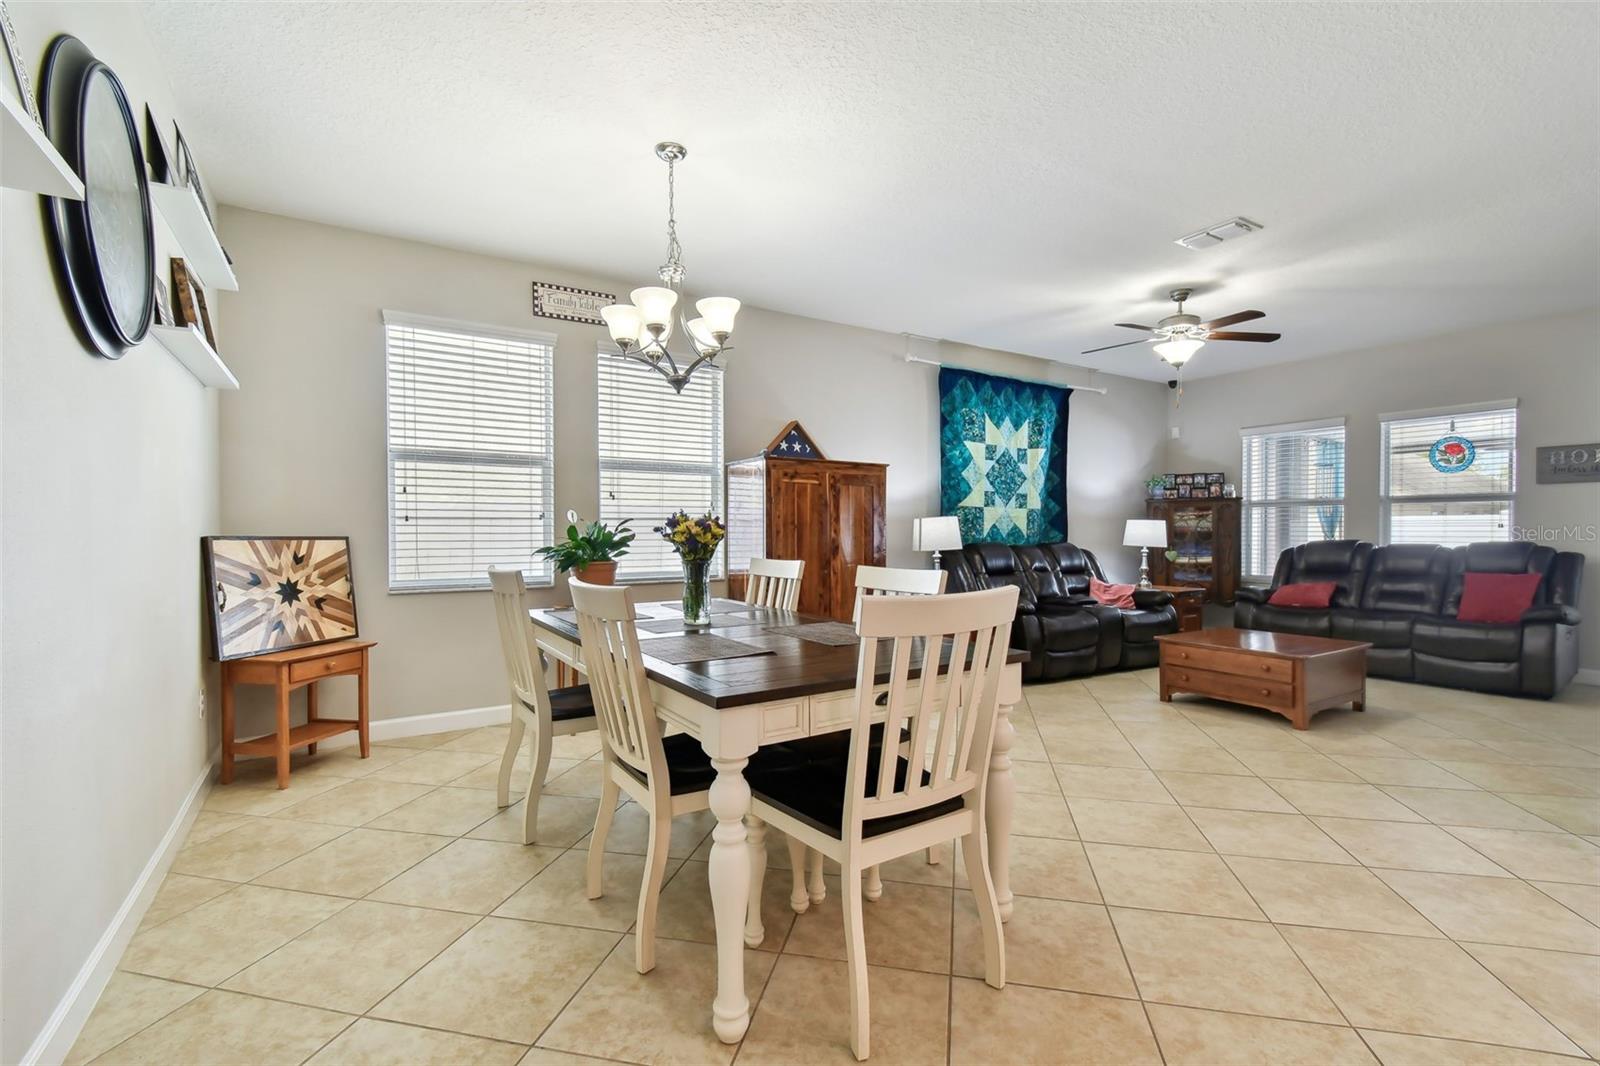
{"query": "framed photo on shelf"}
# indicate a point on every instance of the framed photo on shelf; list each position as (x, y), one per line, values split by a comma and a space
(163, 304)
(1214, 490)
(189, 174)
(1169, 481)
(1214, 478)
(1185, 492)
(19, 68)
(1182, 480)
(189, 303)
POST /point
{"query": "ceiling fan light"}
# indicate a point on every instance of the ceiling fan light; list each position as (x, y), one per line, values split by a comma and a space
(623, 322)
(655, 306)
(1178, 350)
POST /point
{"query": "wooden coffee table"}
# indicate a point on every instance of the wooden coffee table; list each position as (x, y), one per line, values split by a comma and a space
(1292, 675)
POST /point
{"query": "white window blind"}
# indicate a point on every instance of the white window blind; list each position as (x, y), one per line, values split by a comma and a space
(1424, 505)
(471, 476)
(1293, 487)
(660, 452)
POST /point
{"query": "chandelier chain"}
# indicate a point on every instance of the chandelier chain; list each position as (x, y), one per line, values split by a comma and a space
(672, 271)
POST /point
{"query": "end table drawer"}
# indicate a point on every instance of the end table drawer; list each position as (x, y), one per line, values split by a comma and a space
(1229, 686)
(312, 669)
(1242, 664)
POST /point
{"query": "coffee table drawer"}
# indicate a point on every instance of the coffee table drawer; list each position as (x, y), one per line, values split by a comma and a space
(1228, 686)
(1229, 662)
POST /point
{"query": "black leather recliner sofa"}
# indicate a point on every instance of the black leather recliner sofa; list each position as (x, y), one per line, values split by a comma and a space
(1403, 598)
(1065, 631)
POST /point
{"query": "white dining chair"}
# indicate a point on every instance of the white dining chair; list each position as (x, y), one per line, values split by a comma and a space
(774, 583)
(537, 711)
(894, 581)
(666, 776)
(877, 803)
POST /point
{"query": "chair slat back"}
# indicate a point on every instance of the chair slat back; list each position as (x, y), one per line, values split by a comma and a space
(950, 716)
(524, 664)
(896, 581)
(774, 583)
(622, 703)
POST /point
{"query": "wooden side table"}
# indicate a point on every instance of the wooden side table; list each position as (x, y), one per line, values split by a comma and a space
(1189, 601)
(287, 671)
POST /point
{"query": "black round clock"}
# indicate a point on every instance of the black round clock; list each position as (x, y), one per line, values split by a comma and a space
(104, 243)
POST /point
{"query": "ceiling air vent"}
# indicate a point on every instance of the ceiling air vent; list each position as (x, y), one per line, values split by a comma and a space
(1222, 231)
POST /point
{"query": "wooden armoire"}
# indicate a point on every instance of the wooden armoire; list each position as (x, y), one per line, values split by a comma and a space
(1204, 533)
(791, 503)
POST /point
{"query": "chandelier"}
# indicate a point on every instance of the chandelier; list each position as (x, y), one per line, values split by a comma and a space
(641, 329)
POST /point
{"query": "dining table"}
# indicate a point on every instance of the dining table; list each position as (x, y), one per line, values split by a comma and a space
(797, 679)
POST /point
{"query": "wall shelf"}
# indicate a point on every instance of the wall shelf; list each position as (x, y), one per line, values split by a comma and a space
(31, 162)
(187, 219)
(188, 345)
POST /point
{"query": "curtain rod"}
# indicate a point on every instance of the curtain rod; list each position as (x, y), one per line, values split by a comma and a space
(1035, 381)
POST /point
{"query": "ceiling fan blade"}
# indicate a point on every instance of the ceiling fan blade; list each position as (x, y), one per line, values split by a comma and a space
(1228, 320)
(1108, 347)
(1135, 325)
(1224, 335)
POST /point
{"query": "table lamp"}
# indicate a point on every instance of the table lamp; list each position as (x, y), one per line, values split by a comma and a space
(1144, 534)
(939, 534)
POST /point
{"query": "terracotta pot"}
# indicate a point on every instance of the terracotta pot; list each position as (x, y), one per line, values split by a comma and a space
(597, 573)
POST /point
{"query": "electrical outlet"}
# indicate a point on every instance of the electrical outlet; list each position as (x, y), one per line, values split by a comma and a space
(1175, 433)
(202, 701)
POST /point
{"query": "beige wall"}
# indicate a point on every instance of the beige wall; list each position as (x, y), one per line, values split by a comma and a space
(302, 442)
(110, 478)
(1551, 366)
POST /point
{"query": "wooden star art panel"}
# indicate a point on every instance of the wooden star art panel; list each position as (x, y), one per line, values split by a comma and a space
(274, 593)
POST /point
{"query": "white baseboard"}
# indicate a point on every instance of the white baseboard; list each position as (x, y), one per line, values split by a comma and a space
(1588, 677)
(67, 1020)
(415, 725)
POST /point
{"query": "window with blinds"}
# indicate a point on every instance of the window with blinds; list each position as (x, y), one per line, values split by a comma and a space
(660, 452)
(471, 471)
(1458, 505)
(1292, 484)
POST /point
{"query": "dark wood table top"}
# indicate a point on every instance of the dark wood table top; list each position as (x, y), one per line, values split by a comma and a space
(1261, 642)
(795, 667)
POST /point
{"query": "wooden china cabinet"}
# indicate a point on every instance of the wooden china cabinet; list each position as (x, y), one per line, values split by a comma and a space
(1205, 535)
(791, 503)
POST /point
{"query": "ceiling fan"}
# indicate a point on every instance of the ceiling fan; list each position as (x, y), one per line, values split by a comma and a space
(1177, 337)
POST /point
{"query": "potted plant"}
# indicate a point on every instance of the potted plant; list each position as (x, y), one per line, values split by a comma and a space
(695, 540)
(1155, 486)
(591, 553)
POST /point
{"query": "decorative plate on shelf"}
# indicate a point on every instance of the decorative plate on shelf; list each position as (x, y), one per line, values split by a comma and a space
(104, 244)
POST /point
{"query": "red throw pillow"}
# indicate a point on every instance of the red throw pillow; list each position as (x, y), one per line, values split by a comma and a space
(1111, 595)
(1305, 594)
(1496, 597)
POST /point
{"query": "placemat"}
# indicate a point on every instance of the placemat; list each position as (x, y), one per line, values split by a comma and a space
(699, 648)
(833, 634)
(568, 615)
(660, 625)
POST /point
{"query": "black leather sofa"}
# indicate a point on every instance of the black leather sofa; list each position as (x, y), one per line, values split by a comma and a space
(1403, 598)
(1065, 631)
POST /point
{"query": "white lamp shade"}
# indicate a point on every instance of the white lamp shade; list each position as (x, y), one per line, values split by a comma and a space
(655, 305)
(623, 322)
(700, 335)
(939, 534)
(1145, 533)
(718, 313)
(1177, 352)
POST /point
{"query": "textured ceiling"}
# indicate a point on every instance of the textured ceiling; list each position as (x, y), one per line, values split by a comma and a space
(1004, 175)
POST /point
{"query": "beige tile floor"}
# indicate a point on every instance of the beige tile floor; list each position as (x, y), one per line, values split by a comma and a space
(1196, 884)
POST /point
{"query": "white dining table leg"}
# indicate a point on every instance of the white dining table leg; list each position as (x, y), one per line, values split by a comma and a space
(729, 875)
(1001, 800)
(756, 843)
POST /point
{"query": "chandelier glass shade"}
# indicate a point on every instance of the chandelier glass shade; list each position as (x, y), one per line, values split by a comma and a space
(641, 329)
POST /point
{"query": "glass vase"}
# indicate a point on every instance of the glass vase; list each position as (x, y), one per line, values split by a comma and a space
(697, 592)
